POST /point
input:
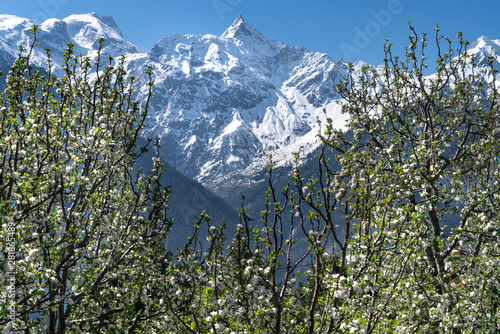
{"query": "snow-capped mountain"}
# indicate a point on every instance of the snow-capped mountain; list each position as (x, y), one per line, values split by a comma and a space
(223, 103)
(483, 48)
(84, 31)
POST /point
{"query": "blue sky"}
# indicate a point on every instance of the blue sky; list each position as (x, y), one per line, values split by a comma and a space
(352, 30)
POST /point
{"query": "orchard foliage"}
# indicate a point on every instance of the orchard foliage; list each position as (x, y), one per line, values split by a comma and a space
(89, 228)
(419, 176)
(398, 231)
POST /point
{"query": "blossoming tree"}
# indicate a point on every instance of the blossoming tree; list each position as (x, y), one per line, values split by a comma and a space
(418, 185)
(88, 226)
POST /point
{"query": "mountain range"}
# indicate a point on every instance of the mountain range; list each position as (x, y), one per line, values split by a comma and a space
(223, 103)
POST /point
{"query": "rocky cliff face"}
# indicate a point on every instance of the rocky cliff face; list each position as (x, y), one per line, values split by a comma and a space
(226, 102)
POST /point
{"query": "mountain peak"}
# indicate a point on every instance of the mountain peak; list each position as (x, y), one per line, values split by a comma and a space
(87, 29)
(484, 45)
(11, 21)
(108, 20)
(241, 28)
(94, 20)
(239, 19)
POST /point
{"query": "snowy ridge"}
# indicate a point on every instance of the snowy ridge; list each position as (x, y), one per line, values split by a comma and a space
(223, 103)
(84, 31)
(484, 45)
